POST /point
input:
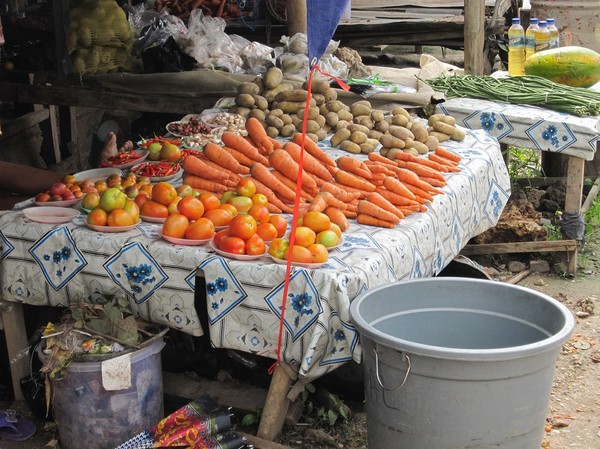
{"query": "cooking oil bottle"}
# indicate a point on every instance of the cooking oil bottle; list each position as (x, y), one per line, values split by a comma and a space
(530, 37)
(554, 36)
(542, 36)
(516, 48)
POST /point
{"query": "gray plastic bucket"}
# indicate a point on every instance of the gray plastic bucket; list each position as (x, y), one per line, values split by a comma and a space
(455, 363)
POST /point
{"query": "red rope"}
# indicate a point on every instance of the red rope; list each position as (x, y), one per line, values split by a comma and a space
(288, 268)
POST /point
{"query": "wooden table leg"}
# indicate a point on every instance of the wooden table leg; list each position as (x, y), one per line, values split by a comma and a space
(573, 197)
(277, 403)
(16, 344)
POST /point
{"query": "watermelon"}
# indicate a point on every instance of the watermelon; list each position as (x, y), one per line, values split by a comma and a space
(572, 66)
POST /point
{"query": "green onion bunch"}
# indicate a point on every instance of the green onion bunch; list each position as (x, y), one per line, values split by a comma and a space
(528, 89)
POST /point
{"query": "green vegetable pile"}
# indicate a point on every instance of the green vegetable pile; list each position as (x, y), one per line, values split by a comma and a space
(529, 89)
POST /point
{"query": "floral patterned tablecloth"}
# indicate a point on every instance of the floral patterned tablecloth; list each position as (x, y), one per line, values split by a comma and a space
(527, 126)
(57, 264)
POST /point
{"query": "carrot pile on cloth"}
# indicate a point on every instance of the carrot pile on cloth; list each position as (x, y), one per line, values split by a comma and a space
(377, 191)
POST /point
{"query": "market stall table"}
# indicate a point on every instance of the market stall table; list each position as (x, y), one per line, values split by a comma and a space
(536, 128)
(55, 265)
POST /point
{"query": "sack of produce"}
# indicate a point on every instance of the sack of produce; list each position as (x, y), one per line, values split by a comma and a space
(99, 37)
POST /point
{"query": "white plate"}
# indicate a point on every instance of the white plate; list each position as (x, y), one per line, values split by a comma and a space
(221, 119)
(60, 203)
(141, 156)
(296, 264)
(50, 214)
(186, 242)
(112, 228)
(97, 174)
(153, 219)
(234, 256)
(137, 167)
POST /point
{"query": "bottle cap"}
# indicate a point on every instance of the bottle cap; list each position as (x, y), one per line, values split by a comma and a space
(516, 21)
(542, 23)
(550, 21)
(533, 20)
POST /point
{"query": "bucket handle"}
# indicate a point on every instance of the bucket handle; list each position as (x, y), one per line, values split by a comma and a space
(404, 356)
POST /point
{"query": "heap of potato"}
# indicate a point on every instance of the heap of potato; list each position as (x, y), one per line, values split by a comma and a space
(356, 128)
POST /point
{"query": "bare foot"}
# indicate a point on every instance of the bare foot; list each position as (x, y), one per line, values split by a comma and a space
(110, 147)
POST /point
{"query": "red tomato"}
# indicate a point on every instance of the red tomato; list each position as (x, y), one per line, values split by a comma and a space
(242, 226)
(255, 246)
(234, 245)
(278, 247)
(219, 236)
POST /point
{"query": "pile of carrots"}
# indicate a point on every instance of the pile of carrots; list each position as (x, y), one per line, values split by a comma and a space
(378, 191)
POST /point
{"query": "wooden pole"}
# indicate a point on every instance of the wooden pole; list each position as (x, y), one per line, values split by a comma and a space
(474, 36)
(296, 16)
(16, 344)
(277, 403)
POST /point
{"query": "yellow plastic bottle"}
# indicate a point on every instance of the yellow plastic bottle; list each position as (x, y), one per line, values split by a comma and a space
(554, 36)
(516, 48)
(530, 37)
(542, 36)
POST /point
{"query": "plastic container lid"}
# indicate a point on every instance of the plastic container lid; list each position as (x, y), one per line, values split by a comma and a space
(516, 21)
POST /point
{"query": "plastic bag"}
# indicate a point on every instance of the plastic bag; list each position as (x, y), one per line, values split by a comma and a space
(298, 44)
(166, 57)
(293, 66)
(257, 58)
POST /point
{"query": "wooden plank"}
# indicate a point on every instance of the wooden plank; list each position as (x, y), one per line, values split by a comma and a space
(16, 344)
(55, 131)
(26, 121)
(240, 396)
(105, 99)
(296, 16)
(591, 196)
(519, 247)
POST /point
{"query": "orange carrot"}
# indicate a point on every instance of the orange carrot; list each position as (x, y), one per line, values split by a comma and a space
(410, 177)
(319, 203)
(268, 192)
(204, 184)
(264, 175)
(239, 156)
(446, 164)
(406, 211)
(232, 175)
(349, 213)
(340, 193)
(377, 199)
(196, 166)
(361, 194)
(378, 167)
(309, 162)
(369, 208)
(337, 216)
(237, 142)
(273, 209)
(352, 180)
(353, 165)
(451, 155)
(377, 157)
(407, 157)
(283, 162)
(398, 187)
(395, 198)
(374, 221)
(434, 182)
(421, 170)
(313, 148)
(377, 179)
(291, 184)
(418, 192)
(215, 153)
(332, 200)
(276, 143)
(258, 134)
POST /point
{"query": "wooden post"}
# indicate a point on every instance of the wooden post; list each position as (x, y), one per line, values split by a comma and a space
(474, 36)
(296, 16)
(16, 344)
(573, 197)
(277, 403)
